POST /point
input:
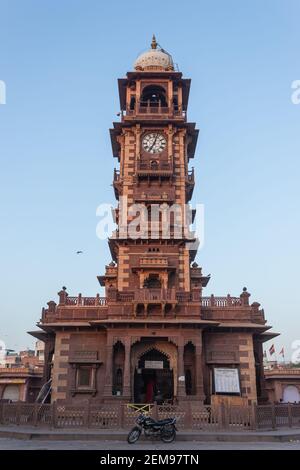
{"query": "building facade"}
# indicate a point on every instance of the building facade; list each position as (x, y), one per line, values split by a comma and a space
(283, 384)
(20, 384)
(153, 336)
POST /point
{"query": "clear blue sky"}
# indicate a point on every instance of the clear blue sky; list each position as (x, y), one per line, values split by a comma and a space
(60, 61)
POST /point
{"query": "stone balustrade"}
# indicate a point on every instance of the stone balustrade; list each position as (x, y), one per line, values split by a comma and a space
(92, 308)
(86, 301)
(282, 371)
(228, 301)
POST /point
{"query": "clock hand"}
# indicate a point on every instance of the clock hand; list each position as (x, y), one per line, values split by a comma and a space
(153, 143)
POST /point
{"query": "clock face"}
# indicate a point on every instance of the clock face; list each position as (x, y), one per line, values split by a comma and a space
(154, 142)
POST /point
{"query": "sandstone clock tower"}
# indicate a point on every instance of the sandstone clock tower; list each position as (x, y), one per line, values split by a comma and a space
(154, 336)
(153, 144)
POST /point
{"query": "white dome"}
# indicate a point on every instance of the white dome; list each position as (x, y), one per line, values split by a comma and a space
(154, 59)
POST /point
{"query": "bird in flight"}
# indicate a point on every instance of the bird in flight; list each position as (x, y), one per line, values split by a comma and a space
(79, 252)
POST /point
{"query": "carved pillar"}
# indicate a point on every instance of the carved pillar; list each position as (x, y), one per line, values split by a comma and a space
(181, 393)
(108, 369)
(199, 368)
(126, 375)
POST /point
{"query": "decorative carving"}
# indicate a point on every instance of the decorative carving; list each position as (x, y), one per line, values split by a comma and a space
(117, 339)
(84, 357)
(135, 339)
(222, 357)
(173, 339)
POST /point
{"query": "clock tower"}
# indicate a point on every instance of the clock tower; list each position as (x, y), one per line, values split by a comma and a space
(154, 336)
(152, 249)
(153, 144)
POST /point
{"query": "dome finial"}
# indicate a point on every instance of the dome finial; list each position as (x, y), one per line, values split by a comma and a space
(153, 43)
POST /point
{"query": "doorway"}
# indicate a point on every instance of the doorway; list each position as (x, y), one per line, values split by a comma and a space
(153, 378)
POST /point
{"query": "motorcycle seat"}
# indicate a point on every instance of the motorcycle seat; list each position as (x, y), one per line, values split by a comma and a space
(164, 421)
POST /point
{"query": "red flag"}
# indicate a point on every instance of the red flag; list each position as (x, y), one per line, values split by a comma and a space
(272, 350)
(282, 352)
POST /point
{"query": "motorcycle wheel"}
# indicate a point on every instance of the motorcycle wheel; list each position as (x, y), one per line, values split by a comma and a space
(168, 436)
(134, 435)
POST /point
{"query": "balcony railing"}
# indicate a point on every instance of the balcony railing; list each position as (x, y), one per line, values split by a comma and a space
(282, 371)
(228, 301)
(155, 168)
(86, 301)
(19, 371)
(153, 261)
(155, 295)
(145, 108)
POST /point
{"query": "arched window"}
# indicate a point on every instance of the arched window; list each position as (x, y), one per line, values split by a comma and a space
(152, 282)
(119, 379)
(118, 367)
(189, 368)
(154, 96)
(188, 382)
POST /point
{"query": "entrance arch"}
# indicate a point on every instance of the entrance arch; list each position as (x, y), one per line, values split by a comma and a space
(291, 394)
(154, 366)
(153, 380)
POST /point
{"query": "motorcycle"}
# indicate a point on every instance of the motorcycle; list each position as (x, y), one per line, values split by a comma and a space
(164, 428)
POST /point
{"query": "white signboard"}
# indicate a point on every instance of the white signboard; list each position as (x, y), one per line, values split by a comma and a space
(226, 380)
(154, 365)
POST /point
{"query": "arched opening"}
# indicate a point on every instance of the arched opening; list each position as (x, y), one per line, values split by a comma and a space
(291, 394)
(154, 96)
(153, 379)
(118, 368)
(154, 165)
(188, 382)
(189, 368)
(153, 281)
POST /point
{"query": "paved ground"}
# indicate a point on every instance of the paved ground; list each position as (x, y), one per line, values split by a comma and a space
(17, 444)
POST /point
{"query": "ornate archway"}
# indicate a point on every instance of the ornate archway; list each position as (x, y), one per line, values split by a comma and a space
(160, 350)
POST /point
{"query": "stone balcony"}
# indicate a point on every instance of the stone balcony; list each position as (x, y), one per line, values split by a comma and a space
(155, 169)
(97, 308)
(147, 110)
